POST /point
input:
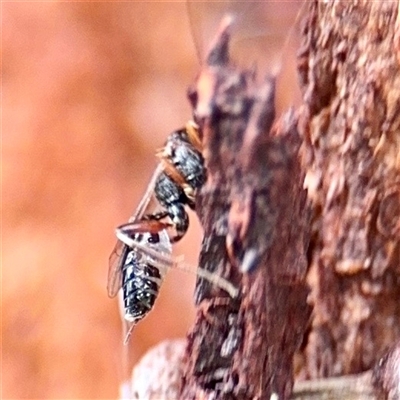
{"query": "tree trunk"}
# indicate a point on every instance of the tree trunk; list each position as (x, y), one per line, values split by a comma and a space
(350, 76)
(256, 220)
(334, 247)
(256, 232)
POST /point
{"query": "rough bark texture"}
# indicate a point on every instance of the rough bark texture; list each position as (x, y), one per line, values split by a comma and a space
(350, 73)
(256, 232)
(255, 218)
(257, 226)
(386, 374)
(158, 376)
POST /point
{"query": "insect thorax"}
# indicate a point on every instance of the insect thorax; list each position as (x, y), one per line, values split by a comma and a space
(188, 161)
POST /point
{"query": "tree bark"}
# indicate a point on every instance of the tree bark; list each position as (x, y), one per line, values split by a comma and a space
(350, 77)
(256, 233)
(262, 235)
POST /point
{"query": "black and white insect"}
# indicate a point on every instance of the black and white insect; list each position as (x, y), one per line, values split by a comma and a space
(144, 251)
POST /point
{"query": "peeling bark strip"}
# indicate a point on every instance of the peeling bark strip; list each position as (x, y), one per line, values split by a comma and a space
(350, 69)
(253, 211)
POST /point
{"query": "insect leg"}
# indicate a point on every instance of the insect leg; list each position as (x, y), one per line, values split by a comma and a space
(222, 283)
(162, 260)
(156, 216)
(192, 130)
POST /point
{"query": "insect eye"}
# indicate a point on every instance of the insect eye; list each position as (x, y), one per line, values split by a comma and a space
(154, 238)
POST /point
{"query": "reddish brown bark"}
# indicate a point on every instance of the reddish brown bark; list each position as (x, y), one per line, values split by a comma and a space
(253, 211)
(350, 76)
(256, 222)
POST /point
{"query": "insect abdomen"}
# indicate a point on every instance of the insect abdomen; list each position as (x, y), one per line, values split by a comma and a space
(140, 284)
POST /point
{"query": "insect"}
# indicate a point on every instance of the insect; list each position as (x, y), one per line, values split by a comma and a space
(139, 260)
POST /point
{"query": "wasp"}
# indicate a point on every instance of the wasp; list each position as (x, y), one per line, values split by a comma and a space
(144, 251)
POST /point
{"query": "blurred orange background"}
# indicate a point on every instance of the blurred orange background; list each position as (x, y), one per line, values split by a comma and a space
(90, 90)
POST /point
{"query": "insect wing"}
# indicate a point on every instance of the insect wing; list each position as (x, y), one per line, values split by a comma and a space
(116, 263)
(264, 35)
(144, 202)
(121, 250)
(259, 31)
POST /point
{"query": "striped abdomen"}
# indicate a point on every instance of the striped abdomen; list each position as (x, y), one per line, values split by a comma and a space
(140, 284)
